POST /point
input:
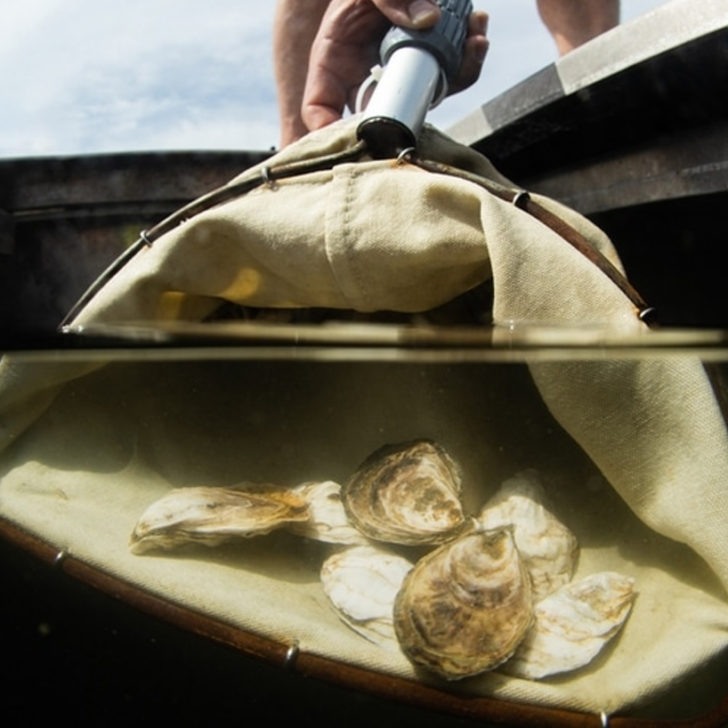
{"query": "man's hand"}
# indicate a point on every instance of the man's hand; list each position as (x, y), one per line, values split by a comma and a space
(347, 46)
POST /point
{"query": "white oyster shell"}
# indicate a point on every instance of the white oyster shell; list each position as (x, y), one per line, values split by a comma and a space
(573, 625)
(407, 493)
(361, 583)
(327, 519)
(465, 607)
(547, 546)
(210, 515)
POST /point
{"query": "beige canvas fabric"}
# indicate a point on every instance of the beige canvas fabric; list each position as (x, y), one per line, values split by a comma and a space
(87, 448)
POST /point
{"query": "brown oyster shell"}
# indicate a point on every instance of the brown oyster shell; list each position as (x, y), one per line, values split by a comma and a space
(210, 515)
(466, 606)
(408, 493)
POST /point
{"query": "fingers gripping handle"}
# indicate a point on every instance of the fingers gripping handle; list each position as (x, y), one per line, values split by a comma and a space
(418, 65)
(444, 41)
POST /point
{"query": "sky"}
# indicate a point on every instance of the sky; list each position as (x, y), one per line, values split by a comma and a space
(90, 76)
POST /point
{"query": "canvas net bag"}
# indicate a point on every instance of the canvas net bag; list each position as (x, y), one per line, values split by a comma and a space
(638, 471)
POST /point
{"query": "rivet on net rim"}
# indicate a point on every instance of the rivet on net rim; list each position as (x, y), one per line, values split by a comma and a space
(520, 199)
(291, 655)
(648, 315)
(145, 238)
(60, 557)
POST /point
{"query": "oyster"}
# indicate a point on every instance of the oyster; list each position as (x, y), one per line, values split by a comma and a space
(573, 625)
(210, 515)
(327, 519)
(407, 493)
(548, 547)
(362, 583)
(465, 607)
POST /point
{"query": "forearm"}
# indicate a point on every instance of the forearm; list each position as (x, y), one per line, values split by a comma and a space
(295, 26)
(574, 22)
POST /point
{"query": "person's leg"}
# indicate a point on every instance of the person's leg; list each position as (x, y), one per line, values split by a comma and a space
(574, 22)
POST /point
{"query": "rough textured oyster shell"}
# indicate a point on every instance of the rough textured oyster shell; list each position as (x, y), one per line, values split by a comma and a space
(407, 493)
(573, 625)
(547, 546)
(362, 583)
(327, 519)
(465, 607)
(210, 515)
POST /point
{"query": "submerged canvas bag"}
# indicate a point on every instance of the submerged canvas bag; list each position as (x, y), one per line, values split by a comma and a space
(86, 449)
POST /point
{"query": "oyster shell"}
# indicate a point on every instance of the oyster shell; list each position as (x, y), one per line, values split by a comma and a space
(327, 519)
(573, 625)
(549, 549)
(361, 583)
(465, 607)
(210, 515)
(408, 493)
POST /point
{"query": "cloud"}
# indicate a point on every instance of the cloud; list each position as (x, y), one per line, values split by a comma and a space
(93, 76)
